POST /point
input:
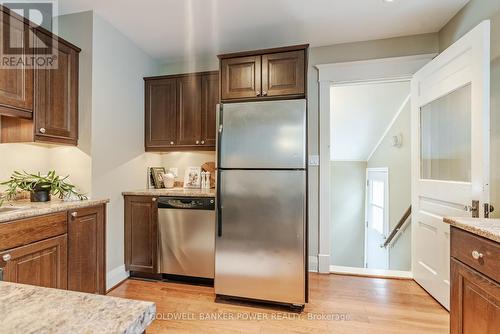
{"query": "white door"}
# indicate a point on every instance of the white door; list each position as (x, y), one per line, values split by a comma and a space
(450, 152)
(377, 218)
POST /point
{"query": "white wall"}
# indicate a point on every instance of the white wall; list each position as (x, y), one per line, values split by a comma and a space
(398, 160)
(347, 213)
(118, 158)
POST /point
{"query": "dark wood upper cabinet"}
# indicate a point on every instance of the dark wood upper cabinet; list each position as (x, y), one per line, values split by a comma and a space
(40, 104)
(189, 113)
(42, 263)
(16, 84)
(283, 73)
(161, 113)
(240, 77)
(180, 112)
(475, 286)
(264, 74)
(141, 234)
(209, 101)
(56, 95)
(86, 244)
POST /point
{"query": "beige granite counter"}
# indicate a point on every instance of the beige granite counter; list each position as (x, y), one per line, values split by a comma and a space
(32, 309)
(486, 228)
(172, 192)
(25, 208)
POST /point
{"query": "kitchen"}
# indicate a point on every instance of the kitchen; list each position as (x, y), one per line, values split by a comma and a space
(121, 133)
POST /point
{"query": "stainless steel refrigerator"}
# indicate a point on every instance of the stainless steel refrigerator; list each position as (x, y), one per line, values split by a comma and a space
(262, 201)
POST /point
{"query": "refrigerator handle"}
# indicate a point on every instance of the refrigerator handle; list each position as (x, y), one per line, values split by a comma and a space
(219, 117)
(219, 206)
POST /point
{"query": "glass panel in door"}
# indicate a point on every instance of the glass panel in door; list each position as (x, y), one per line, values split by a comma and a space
(446, 137)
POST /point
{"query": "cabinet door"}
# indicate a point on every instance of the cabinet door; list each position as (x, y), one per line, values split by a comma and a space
(189, 114)
(161, 113)
(475, 301)
(41, 263)
(56, 95)
(283, 73)
(86, 238)
(141, 234)
(16, 83)
(241, 77)
(209, 101)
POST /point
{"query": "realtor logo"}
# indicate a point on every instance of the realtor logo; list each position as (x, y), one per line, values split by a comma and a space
(25, 42)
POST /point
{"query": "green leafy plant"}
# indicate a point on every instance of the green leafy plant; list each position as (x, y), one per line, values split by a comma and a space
(55, 184)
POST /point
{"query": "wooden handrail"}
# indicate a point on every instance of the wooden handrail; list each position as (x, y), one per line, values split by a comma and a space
(398, 227)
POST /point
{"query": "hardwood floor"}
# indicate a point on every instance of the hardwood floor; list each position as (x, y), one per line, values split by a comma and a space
(371, 305)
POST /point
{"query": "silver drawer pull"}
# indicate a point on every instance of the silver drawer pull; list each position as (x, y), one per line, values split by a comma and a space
(6, 257)
(42, 130)
(74, 214)
(476, 255)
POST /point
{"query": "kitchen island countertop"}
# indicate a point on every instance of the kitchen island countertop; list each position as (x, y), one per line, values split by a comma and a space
(33, 309)
(486, 228)
(25, 209)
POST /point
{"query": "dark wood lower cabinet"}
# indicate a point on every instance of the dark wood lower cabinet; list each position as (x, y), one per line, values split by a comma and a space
(86, 260)
(475, 296)
(64, 250)
(141, 234)
(42, 263)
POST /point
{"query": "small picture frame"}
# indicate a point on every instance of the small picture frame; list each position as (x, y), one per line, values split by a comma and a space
(192, 177)
(157, 175)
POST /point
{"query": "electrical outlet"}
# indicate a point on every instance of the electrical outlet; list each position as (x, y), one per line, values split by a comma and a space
(314, 160)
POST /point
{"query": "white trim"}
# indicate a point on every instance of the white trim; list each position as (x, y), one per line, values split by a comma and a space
(396, 68)
(313, 264)
(371, 272)
(403, 105)
(115, 276)
(347, 160)
(393, 68)
(324, 262)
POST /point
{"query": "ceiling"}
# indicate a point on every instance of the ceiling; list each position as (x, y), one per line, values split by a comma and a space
(360, 116)
(176, 30)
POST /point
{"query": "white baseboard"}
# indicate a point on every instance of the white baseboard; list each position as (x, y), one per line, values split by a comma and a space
(371, 272)
(324, 263)
(115, 276)
(313, 263)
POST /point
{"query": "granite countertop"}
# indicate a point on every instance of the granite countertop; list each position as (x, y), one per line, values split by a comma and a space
(483, 227)
(25, 208)
(33, 309)
(172, 192)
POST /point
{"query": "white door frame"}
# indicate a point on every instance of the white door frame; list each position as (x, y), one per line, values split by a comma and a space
(386, 209)
(385, 69)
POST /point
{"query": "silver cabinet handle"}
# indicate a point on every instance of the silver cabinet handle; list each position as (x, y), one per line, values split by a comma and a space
(264, 93)
(171, 143)
(153, 199)
(6, 257)
(257, 93)
(202, 142)
(42, 130)
(476, 255)
(74, 214)
(197, 142)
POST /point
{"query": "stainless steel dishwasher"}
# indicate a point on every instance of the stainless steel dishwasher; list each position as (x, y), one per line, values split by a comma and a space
(186, 236)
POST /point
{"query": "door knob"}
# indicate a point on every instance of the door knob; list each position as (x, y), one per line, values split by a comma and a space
(6, 257)
(257, 93)
(74, 214)
(42, 130)
(264, 93)
(202, 142)
(197, 142)
(171, 143)
(153, 199)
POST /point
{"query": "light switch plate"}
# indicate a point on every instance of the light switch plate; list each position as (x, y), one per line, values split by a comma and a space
(314, 160)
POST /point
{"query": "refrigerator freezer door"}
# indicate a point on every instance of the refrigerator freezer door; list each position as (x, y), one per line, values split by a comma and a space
(264, 135)
(260, 251)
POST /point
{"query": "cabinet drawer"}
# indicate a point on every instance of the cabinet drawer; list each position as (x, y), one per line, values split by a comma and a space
(25, 231)
(463, 244)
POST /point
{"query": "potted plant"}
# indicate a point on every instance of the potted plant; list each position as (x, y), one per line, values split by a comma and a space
(41, 187)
